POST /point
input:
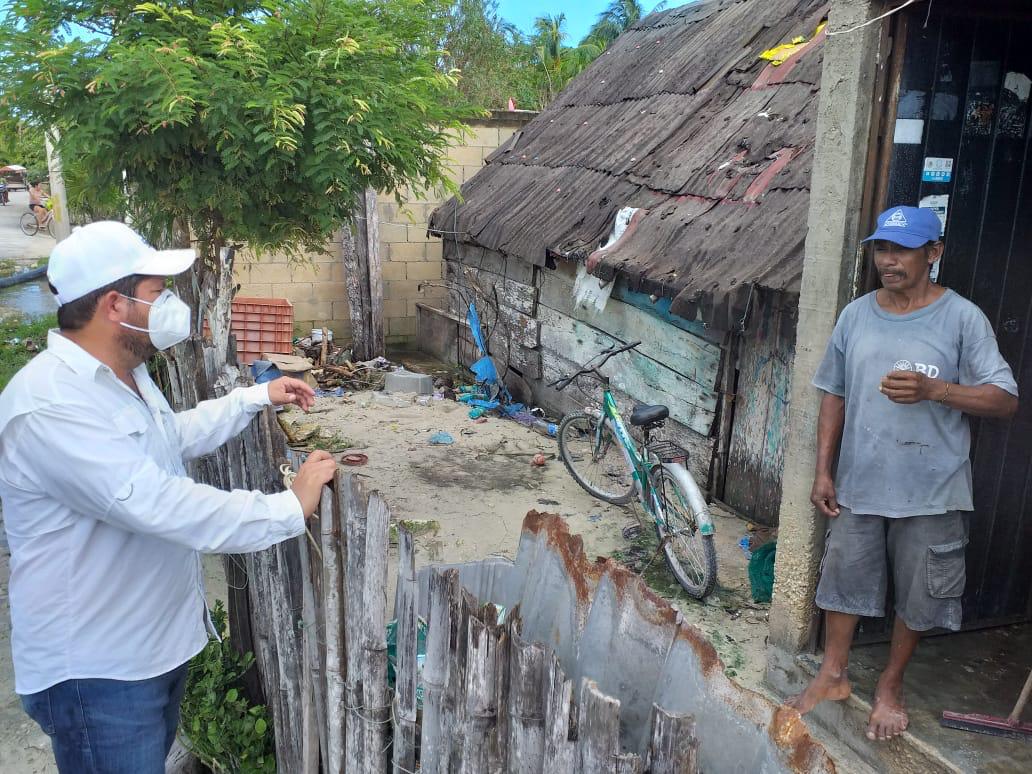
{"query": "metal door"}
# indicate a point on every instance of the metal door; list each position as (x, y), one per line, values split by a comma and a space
(961, 144)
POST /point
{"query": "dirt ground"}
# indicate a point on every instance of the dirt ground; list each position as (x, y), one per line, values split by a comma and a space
(478, 490)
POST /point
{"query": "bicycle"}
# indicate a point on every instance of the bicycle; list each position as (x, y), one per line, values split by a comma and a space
(30, 226)
(600, 454)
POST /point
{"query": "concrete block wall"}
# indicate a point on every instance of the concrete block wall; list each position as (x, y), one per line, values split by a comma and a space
(410, 258)
(314, 285)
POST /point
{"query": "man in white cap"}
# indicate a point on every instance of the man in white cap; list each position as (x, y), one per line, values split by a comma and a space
(105, 528)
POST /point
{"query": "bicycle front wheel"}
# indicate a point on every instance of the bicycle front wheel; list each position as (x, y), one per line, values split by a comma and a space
(28, 223)
(690, 555)
(52, 228)
(596, 461)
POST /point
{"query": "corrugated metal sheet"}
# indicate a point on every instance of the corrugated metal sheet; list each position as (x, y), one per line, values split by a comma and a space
(604, 624)
(682, 118)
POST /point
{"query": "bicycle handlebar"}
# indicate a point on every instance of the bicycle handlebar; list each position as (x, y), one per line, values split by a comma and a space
(611, 352)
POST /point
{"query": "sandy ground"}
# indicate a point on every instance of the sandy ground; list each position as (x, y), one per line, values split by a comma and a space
(480, 488)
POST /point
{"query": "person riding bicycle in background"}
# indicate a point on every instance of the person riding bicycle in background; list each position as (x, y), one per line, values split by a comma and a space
(4, 196)
(37, 201)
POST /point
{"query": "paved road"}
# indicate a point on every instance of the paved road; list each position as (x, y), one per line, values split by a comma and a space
(14, 244)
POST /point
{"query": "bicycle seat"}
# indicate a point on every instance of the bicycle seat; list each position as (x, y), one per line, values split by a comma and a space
(648, 415)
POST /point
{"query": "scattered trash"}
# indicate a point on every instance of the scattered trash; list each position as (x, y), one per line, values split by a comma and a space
(402, 380)
(595, 517)
(476, 413)
(538, 460)
(632, 532)
(264, 371)
(544, 501)
(468, 431)
(480, 420)
(354, 459)
(337, 393)
(441, 438)
(386, 399)
(424, 400)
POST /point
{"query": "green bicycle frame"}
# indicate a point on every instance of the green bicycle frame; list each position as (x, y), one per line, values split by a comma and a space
(641, 466)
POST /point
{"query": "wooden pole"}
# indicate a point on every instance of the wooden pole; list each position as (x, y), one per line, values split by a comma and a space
(356, 276)
(598, 730)
(674, 748)
(434, 745)
(353, 512)
(481, 706)
(527, 697)
(375, 263)
(559, 750)
(376, 715)
(405, 707)
(333, 599)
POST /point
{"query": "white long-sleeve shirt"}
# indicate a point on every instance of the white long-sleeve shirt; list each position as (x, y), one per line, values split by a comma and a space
(105, 526)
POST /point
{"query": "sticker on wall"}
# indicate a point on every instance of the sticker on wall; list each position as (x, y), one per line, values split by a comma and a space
(909, 131)
(937, 170)
(939, 204)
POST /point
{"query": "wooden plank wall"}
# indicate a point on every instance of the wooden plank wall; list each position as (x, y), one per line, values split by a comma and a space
(757, 449)
(544, 335)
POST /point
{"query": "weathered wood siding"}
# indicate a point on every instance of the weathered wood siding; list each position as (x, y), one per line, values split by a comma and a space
(542, 335)
(757, 449)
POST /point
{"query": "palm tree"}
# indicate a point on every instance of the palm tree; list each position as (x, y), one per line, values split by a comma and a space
(618, 16)
(547, 42)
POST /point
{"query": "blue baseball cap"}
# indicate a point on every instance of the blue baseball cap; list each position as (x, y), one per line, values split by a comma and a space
(908, 226)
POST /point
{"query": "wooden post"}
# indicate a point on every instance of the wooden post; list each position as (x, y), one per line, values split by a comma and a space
(481, 706)
(313, 719)
(363, 274)
(598, 730)
(628, 763)
(559, 750)
(333, 599)
(405, 708)
(673, 748)
(353, 513)
(375, 261)
(376, 715)
(434, 744)
(527, 697)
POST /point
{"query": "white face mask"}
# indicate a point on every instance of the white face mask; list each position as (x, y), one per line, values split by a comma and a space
(169, 321)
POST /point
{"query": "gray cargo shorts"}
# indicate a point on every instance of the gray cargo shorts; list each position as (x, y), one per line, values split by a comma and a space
(926, 557)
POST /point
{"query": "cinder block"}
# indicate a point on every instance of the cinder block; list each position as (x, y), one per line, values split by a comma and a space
(403, 289)
(393, 232)
(485, 136)
(417, 232)
(337, 273)
(504, 133)
(425, 270)
(396, 307)
(467, 155)
(308, 272)
(434, 249)
(340, 310)
(259, 291)
(468, 172)
(294, 291)
(408, 251)
(268, 273)
(313, 310)
(402, 326)
(394, 270)
(330, 291)
(329, 256)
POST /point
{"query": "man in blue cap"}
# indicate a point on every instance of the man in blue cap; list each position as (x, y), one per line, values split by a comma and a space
(904, 366)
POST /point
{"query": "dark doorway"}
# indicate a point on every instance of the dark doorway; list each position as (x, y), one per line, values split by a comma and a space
(960, 143)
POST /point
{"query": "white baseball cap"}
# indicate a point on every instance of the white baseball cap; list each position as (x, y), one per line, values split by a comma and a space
(100, 253)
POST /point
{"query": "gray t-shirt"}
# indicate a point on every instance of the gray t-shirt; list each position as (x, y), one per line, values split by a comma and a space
(907, 460)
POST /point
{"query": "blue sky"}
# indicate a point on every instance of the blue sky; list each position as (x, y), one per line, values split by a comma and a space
(580, 14)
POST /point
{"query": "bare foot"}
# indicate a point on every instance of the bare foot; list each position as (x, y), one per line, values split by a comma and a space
(824, 687)
(888, 716)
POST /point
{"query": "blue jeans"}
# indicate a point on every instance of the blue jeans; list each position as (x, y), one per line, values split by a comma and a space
(110, 726)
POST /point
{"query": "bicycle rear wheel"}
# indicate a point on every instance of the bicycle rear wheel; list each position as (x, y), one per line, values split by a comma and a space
(603, 471)
(28, 223)
(52, 228)
(690, 555)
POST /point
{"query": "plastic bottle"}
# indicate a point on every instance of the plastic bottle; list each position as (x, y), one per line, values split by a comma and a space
(744, 545)
(545, 428)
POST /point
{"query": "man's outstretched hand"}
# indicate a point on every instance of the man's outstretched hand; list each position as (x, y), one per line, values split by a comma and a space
(316, 472)
(286, 391)
(910, 387)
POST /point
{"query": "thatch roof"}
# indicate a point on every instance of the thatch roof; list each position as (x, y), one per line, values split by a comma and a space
(680, 117)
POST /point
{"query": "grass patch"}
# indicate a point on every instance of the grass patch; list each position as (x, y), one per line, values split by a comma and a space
(15, 350)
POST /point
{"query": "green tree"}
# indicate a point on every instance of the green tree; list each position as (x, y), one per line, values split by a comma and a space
(556, 63)
(490, 55)
(256, 121)
(617, 17)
